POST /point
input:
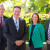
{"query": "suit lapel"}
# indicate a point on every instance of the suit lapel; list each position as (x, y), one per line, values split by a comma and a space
(13, 24)
(20, 24)
(14, 27)
(3, 21)
(34, 28)
(48, 23)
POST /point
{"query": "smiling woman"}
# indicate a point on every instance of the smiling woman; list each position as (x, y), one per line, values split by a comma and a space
(35, 18)
(36, 33)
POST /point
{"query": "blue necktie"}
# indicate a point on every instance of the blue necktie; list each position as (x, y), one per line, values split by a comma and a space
(16, 25)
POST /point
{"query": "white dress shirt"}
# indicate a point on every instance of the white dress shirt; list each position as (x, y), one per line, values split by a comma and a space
(16, 24)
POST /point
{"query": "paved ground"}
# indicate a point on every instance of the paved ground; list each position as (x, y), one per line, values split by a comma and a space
(44, 48)
(27, 47)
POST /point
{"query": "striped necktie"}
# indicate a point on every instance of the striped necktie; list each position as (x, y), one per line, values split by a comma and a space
(16, 23)
(49, 32)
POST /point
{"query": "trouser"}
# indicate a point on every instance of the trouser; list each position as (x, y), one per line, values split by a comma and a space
(48, 46)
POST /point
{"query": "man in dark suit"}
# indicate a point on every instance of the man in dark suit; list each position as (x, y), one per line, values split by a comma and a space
(47, 34)
(2, 21)
(15, 31)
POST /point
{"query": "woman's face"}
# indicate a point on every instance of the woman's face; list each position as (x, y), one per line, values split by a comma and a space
(35, 18)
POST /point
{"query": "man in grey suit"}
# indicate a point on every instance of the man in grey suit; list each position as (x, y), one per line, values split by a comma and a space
(47, 34)
(2, 21)
(15, 31)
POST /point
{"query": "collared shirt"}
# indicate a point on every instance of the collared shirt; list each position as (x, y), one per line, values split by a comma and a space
(16, 24)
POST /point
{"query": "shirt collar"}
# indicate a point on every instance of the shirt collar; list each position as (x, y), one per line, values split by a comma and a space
(2, 16)
(15, 19)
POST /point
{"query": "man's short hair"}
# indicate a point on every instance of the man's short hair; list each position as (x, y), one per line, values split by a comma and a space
(17, 7)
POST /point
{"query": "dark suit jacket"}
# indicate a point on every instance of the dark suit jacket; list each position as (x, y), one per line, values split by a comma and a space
(1, 30)
(11, 33)
(46, 29)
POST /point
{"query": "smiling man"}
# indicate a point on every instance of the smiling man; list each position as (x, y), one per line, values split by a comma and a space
(15, 31)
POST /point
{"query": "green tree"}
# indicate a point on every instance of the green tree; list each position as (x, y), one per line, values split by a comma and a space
(2, 1)
(42, 6)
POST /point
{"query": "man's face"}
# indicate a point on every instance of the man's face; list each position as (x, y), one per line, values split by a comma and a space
(1, 10)
(16, 12)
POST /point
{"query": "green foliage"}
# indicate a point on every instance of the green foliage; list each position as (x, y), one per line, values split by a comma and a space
(42, 6)
(2, 1)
